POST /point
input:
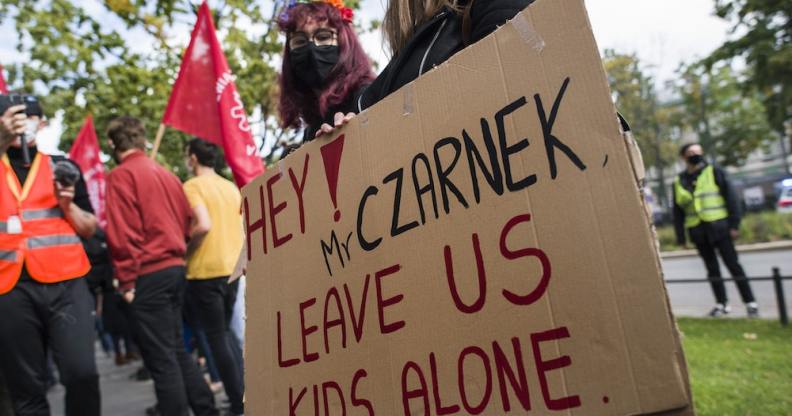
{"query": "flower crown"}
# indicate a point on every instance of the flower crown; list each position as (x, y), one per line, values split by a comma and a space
(347, 14)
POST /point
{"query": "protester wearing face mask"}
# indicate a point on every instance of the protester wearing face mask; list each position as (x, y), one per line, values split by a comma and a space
(706, 205)
(324, 66)
(44, 301)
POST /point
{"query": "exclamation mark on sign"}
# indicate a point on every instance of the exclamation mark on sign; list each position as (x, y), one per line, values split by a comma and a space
(331, 156)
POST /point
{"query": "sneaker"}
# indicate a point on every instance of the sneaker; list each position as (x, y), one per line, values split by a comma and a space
(752, 309)
(719, 311)
(152, 411)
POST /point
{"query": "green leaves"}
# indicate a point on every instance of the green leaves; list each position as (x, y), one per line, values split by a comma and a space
(731, 122)
(764, 42)
(636, 99)
(81, 62)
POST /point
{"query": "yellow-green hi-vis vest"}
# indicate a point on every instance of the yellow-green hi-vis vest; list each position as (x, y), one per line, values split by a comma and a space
(705, 203)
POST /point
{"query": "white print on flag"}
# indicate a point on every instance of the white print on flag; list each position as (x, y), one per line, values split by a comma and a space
(222, 82)
(238, 110)
(238, 113)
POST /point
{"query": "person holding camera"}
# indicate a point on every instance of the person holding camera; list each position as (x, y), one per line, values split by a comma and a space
(44, 301)
(12, 124)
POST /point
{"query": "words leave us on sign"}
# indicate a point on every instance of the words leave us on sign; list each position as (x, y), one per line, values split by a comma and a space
(473, 244)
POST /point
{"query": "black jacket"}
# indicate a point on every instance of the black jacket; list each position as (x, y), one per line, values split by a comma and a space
(435, 41)
(100, 277)
(348, 106)
(708, 232)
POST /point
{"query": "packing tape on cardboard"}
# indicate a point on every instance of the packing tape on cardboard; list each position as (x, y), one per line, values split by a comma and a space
(409, 97)
(527, 32)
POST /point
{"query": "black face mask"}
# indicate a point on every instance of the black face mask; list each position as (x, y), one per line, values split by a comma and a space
(312, 64)
(694, 160)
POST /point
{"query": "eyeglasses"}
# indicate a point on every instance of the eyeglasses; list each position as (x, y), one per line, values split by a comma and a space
(321, 37)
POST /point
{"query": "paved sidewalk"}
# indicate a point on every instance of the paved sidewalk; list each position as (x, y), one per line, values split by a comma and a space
(121, 394)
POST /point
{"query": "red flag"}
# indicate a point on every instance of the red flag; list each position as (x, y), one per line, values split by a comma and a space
(205, 102)
(85, 152)
(3, 87)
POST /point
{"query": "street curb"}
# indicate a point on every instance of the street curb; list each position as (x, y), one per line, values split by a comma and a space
(747, 248)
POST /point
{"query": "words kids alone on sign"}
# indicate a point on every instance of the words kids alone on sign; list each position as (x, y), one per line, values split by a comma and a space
(475, 243)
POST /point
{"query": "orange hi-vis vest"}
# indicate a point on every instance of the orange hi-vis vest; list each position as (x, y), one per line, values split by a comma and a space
(33, 232)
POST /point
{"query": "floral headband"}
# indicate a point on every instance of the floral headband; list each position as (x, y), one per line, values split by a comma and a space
(347, 14)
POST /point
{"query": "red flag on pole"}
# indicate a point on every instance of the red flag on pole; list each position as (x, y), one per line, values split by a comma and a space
(85, 152)
(3, 87)
(205, 102)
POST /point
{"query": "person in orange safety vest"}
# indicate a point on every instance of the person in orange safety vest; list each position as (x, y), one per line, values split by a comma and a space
(44, 302)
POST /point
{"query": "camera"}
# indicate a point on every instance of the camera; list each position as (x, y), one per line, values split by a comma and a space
(31, 103)
(66, 173)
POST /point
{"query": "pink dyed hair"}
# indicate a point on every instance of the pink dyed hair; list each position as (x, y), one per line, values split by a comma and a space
(352, 71)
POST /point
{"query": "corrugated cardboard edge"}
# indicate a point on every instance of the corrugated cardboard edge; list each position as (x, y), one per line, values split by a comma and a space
(639, 171)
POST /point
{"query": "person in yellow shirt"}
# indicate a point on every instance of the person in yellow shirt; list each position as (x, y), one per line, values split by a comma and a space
(215, 243)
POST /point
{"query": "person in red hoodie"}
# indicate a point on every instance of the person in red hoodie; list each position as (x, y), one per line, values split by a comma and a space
(149, 220)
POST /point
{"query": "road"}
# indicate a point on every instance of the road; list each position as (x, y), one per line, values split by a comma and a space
(695, 299)
(121, 395)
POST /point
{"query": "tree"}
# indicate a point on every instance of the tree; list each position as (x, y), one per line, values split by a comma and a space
(765, 44)
(81, 62)
(636, 99)
(730, 122)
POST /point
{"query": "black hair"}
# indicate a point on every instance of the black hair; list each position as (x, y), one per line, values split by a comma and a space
(685, 148)
(206, 153)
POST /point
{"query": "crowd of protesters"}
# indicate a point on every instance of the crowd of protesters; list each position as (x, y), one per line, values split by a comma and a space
(167, 259)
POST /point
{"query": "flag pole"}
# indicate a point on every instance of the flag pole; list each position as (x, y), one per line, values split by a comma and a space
(157, 141)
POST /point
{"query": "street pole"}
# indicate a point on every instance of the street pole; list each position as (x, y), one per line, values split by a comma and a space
(779, 90)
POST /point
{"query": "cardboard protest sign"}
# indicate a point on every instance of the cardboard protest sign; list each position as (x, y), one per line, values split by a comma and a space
(474, 244)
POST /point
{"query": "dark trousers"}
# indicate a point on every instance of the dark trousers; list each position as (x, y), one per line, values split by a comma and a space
(37, 317)
(212, 303)
(6, 408)
(728, 253)
(178, 382)
(115, 322)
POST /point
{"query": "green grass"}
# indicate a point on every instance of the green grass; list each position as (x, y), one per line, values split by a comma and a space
(733, 374)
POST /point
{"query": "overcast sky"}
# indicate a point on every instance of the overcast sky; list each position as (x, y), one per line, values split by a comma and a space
(664, 34)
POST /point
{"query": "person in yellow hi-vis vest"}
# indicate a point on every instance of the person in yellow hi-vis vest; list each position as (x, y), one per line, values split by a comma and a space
(707, 207)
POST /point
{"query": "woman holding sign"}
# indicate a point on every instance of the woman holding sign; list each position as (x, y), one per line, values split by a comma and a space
(324, 66)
